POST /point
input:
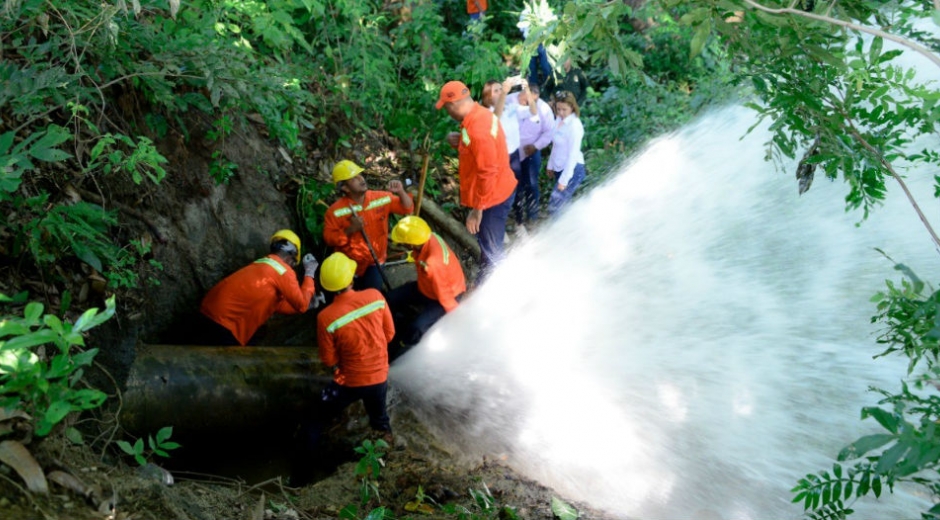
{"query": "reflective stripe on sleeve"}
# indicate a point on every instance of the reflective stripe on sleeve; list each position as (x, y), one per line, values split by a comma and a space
(352, 316)
(445, 251)
(381, 201)
(347, 210)
(342, 212)
(273, 263)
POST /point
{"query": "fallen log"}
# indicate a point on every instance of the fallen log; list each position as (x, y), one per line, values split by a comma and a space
(443, 223)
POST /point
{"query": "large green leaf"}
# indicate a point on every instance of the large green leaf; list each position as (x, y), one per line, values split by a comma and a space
(39, 337)
(563, 511)
(864, 445)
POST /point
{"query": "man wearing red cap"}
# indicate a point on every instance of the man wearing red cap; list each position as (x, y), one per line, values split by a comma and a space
(487, 183)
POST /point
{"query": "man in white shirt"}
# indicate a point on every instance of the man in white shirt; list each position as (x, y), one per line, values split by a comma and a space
(536, 121)
(495, 97)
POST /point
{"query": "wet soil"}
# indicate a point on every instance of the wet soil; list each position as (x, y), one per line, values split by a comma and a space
(420, 478)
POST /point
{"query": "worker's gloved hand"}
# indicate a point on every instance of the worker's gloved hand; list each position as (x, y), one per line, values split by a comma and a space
(317, 300)
(310, 265)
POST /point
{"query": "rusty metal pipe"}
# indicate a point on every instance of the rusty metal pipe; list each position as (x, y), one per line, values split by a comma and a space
(208, 391)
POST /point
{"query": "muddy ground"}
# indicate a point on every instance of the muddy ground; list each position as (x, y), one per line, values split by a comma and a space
(420, 478)
(200, 232)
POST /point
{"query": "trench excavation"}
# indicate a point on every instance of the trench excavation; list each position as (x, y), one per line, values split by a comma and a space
(233, 409)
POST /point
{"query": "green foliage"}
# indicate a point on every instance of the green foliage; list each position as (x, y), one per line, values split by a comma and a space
(124, 271)
(371, 462)
(838, 99)
(118, 153)
(483, 61)
(17, 160)
(312, 203)
(909, 450)
(50, 233)
(564, 511)
(594, 30)
(667, 90)
(221, 169)
(486, 507)
(56, 231)
(829, 89)
(912, 323)
(42, 381)
(220, 130)
(369, 467)
(159, 445)
(351, 512)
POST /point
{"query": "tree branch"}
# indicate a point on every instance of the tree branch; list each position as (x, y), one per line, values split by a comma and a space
(923, 51)
(855, 134)
(887, 166)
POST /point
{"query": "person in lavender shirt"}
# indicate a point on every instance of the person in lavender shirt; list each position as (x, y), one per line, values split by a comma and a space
(566, 164)
(536, 121)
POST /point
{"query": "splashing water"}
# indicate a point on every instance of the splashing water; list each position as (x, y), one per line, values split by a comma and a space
(687, 341)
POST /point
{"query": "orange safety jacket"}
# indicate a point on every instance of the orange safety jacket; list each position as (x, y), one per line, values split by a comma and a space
(485, 176)
(244, 300)
(353, 334)
(374, 212)
(476, 6)
(440, 276)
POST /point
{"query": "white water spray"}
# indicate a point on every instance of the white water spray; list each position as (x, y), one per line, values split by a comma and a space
(685, 342)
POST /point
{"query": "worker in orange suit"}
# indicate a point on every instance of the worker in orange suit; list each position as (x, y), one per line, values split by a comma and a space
(362, 212)
(353, 333)
(437, 291)
(476, 9)
(238, 305)
(487, 183)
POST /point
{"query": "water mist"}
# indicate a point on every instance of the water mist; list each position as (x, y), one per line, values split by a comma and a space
(686, 341)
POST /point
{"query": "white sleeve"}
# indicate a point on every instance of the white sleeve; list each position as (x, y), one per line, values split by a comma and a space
(574, 141)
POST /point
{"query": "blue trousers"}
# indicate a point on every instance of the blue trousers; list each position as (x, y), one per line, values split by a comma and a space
(539, 64)
(409, 329)
(333, 400)
(491, 235)
(371, 279)
(560, 198)
(525, 208)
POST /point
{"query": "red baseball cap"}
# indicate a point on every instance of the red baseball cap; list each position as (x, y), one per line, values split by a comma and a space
(452, 91)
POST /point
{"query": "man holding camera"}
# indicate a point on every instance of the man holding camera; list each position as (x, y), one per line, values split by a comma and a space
(536, 121)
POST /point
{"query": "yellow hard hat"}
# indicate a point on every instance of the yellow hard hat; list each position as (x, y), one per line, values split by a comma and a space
(290, 236)
(345, 170)
(337, 272)
(411, 230)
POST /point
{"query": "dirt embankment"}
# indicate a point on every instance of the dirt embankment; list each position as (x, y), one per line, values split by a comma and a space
(200, 233)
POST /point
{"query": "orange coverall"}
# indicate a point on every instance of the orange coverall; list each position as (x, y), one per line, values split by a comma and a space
(244, 300)
(485, 176)
(353, 333)
(476, 6)
(374, 212)
(440, 276)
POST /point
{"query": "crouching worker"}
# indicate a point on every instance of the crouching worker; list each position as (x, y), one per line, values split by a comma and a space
(238, 305)
(439, 287)
(353, 333)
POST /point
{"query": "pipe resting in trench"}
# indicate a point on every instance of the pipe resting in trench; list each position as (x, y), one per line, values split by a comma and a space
(210, 391)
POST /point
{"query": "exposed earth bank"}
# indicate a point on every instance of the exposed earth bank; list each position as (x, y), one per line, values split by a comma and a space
(201, 232)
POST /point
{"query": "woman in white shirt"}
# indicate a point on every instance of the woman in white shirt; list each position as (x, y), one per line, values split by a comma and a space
(566, 164)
